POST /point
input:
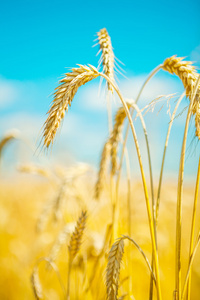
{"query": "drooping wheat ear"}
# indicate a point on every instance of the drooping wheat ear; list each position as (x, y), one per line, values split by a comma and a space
(186, 72)
(76, 237)
(36, 285)
(115, 137)
(102, 169)
(188, 75)
(107, 57)
(113, 269)
(7, 138)
(63, 97)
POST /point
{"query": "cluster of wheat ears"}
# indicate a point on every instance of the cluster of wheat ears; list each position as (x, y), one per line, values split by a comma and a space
(63, 97)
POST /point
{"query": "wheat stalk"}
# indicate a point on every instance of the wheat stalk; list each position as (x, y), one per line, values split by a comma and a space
(113, 269)
(107, 57)
(63, 97)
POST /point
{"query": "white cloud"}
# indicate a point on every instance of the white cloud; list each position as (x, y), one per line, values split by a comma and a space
(8, 92)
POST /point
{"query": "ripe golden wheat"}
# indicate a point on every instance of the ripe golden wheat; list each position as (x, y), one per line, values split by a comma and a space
(113, 269)
(63, 97)
(77, 235)
(107, 57)
(188, 75)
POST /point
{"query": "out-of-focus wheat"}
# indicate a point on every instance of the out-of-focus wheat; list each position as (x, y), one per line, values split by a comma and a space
(76, 237)
(102, 169)
(37, 288)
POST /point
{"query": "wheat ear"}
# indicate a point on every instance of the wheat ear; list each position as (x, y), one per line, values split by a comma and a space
(74, 245)
(188, 75)
(102, 169)
(63, 97)
(14, 134)
(76, 237)
(107, 57)
(113, 269)
(116, 135)
(36, 285)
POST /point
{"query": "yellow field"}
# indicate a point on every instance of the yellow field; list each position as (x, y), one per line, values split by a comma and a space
(22, 201)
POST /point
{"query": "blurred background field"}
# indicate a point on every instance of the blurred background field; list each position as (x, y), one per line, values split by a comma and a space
(22, 201)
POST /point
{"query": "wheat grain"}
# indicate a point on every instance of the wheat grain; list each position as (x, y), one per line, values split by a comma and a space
(115, 137)
(76, 237)
(36, 285)
(113, 269)
(188, 75)
(102, 169)
(63, 97)
(107, 57)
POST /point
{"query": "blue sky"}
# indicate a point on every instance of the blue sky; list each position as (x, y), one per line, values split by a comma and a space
(41, 38)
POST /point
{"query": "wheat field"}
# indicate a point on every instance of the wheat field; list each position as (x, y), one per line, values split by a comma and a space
(69, 232)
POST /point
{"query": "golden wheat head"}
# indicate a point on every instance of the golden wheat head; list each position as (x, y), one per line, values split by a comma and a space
(77, 235)
(113, 269)
(188, 75)
(36, 285)
(102, 169)
(107, 57)
(63, 97)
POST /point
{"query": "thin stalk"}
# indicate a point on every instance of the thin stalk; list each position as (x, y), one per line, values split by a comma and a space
(109, 110)
(143, 254)
(179, 198)
(190, 266)
(164, 154)
(68, 279)
(156, 205)
(151, 223)
(193, 227)
(132, 110)
(128, 172)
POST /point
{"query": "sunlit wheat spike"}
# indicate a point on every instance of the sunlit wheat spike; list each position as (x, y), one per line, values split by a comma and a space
(36, 285)
(77, 235)
(184, 70)
(115, 137)
(102, 169)
(188, 75)
(107, 57)
(113, 269)
(63, 97)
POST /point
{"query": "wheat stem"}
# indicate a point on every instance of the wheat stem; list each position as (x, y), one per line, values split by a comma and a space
(151, 223)
(179, 196)
(193, 227)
